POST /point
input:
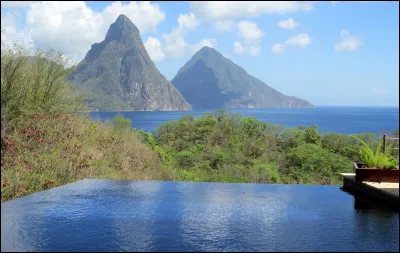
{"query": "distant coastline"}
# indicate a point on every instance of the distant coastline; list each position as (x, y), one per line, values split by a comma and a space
(280, 108)
(345, 120)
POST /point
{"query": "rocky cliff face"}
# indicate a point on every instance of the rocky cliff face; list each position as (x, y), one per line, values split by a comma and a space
(118, 74)
(209, 80)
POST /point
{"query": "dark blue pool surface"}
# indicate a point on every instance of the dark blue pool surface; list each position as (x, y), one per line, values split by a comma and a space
(118, 215)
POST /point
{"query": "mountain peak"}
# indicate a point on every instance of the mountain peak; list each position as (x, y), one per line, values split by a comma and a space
(210, 80)
(119, 74)
(122, 18)
(207, 53)
(208, 50)
(122, 30)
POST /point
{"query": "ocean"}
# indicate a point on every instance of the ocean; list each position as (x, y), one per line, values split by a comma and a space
(346, 120)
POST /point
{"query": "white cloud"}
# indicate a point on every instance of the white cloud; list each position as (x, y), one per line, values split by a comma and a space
(188, 21)
(11, 32)
(299, 40)
(251, 35)
(17, 4)
(154, 48)
(333, 3)
(249, 31)
(72, 27)
(238, 9)
(348, 43)
(145, 15)
(278, 49)
(239, 48)
(175, 43)
(242, 48)
(288, 24)
(204, 42)
(223, 26)
(22, 36)
(379, 91)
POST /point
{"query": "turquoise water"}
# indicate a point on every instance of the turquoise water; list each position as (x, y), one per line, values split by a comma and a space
(117, 215)
(347, 120)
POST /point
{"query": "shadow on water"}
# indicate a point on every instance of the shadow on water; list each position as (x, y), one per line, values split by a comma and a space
(365, 205)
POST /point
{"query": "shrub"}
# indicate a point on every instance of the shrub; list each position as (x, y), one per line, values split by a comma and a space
(371, 158)
(121, 124)
(312, 135)
(310, 161)
(33, 82)
(186, 159)
(46, 152)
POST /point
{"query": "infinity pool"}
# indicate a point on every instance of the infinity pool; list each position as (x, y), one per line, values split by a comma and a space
(117, 215)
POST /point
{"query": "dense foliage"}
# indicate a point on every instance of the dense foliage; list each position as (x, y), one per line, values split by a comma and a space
(230, 148)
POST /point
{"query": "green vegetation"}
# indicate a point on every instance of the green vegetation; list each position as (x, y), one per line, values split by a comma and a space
(45, 143)
(47, 151)
(226, 147)
(376, 159)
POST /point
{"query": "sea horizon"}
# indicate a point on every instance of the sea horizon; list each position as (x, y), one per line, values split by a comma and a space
(341, 119)
(239, 108)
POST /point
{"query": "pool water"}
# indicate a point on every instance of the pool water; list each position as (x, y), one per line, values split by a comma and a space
(122, 215)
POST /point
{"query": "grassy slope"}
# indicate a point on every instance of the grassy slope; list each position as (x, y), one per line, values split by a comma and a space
(46, 152)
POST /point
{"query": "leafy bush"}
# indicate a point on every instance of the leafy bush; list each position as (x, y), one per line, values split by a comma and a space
(312, 135)
(377, 159)
(264, 173)
(33, 82)
(186, 159)
(335, 142)
(311, 163)
(121, 124)
(290, 138)
(225, 147)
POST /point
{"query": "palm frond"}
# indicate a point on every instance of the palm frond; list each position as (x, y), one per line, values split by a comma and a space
(377, 159)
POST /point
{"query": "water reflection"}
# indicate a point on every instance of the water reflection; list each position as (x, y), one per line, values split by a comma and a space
(374, 220)
(213, 207)
(112, 215)
(133, 227)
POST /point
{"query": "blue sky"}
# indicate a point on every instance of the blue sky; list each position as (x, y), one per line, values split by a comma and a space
(329, 53)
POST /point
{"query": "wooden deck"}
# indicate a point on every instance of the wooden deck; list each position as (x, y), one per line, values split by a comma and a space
(383, 193)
